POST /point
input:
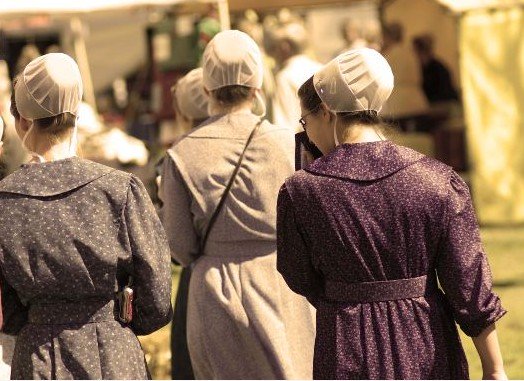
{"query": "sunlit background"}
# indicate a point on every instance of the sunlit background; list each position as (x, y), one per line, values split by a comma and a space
(131, 52)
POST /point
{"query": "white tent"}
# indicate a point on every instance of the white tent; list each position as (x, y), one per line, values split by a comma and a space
(109, 32)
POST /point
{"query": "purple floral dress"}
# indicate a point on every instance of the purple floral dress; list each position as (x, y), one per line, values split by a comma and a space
(378, 212)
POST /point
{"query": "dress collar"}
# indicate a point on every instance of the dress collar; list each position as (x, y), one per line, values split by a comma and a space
(365, 161)
(53, 178)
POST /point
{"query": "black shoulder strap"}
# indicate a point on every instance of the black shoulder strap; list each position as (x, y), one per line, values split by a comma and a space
(226, 191)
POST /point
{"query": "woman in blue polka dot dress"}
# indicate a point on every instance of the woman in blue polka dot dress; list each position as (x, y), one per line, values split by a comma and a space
(73, 233)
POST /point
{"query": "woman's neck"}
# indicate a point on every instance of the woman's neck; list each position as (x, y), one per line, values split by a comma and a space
(52, 152)
(217, 109)
(360, 134)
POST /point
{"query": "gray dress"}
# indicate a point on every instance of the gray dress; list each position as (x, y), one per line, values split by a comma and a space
(243, 321)
(72, 232)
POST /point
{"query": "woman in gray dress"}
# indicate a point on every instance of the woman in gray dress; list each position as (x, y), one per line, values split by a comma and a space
(367, 230)
(73, 233)
(243, 321)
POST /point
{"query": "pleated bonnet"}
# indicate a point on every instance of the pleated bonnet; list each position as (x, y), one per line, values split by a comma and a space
(357, 80)
(48, 86)
(232, 58)
(190, 96)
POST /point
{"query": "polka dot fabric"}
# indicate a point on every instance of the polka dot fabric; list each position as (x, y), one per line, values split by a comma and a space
(72, 232)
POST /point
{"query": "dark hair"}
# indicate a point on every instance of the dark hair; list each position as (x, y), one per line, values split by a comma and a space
(311, 102)
(308, 96)
(394, 31)
(54, 125)
(231, 95)
(423, 43)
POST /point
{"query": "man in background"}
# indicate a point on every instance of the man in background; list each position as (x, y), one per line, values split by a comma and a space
(436, 78)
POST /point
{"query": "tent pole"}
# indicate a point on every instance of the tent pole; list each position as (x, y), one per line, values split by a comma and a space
(223, 14)
(80, 49)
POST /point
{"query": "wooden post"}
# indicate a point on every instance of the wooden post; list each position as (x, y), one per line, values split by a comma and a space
(79, 44)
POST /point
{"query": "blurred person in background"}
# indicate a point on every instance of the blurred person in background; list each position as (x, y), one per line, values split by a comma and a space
(251, 25)
(360, 35)
(407, 98)
(243, 321)
(352, 32)
(365, 233)
(73, 234)
(13, 153)
(436, 77)
(29, 52)
(190, 102)
(290, 40)
(7, 342)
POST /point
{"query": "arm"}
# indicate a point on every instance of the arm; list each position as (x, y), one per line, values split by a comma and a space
(176, 214)
(487, 344)
(151, 262)
(14, 313)
(465, 276)
(293, 259)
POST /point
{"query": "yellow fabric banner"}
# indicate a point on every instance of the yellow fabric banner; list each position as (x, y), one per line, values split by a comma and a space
(492, 70)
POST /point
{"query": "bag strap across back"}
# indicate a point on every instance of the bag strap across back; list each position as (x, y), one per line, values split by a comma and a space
(226, 190)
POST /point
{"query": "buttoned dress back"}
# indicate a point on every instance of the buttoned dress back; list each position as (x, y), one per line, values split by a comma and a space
(243, 320)
(72, 233)
(379, 212)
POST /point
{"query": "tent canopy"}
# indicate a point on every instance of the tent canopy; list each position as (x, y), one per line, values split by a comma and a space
(469, 5)
(27, 7)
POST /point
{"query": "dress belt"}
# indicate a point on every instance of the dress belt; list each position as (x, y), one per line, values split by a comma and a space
(72, 312)
(367, 292)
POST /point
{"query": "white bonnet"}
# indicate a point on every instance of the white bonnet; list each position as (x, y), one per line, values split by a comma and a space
(357, 80)
(48, 86)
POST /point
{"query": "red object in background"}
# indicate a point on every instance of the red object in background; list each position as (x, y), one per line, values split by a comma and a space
(167, 80)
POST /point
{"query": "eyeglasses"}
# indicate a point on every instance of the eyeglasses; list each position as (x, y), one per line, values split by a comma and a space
(302, 119)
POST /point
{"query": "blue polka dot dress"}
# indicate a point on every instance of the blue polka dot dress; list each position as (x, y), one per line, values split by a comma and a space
(72, 233)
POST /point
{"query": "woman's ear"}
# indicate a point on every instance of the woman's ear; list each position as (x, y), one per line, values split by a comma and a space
(25, 124)
(326, 113)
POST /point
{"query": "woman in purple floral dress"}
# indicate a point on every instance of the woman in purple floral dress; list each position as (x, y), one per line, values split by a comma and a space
(369, 230)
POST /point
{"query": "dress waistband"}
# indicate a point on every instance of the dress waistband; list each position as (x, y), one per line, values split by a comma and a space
(367, 292)
(72, 312)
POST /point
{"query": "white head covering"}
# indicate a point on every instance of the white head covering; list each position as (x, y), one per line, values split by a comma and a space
(232, 58)
(189, 94)
(357, 80)
(49, 85)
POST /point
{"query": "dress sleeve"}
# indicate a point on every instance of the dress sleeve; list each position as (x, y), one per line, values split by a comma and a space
(14, 313)
(151, 261)
(176, 214)
(293, 258)
(462, 266)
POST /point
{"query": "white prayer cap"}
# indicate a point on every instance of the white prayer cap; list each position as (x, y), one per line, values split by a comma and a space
(190, 96)
(357, 80)
(49, 85)
(232, 58)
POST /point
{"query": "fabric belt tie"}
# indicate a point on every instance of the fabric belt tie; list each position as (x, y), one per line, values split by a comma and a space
(367, 292)
(77, 312)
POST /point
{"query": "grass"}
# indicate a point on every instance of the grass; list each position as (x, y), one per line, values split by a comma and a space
(505, 248)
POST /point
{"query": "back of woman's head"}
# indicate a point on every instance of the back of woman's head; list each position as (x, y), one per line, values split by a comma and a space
(354, 85)
(48, 93)
(233, 67)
